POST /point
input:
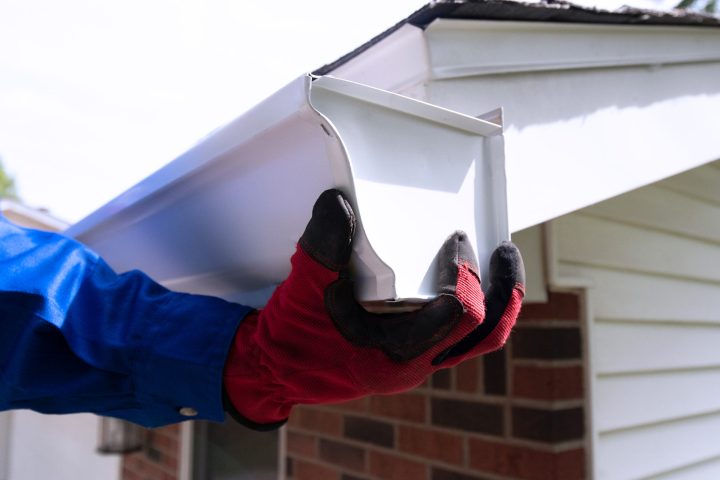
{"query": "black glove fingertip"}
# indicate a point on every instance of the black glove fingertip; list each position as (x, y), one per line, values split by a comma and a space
(329, 233)
(457, 250)
(506, 267)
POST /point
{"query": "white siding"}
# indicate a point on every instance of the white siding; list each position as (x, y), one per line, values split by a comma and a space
(57, 447)
(653, 256)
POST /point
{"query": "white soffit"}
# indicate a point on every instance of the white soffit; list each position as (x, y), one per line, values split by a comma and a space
(462, 48)
(559, 167)
(223, 218)
(663, 122)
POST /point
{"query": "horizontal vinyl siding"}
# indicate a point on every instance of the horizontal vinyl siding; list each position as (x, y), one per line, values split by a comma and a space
(645, 452)
(653, 256)
(706, 469)
(667, 390)
(637, 296)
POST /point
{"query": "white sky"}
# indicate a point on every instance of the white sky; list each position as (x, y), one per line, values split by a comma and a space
(96, 95)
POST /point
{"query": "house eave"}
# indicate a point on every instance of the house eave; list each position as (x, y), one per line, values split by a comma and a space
(554, 12)
(455, 46)
(13, 208)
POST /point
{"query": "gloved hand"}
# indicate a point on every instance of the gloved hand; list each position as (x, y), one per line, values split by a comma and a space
(313, 343)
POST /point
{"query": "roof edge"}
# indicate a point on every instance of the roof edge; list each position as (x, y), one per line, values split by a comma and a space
(549, 11)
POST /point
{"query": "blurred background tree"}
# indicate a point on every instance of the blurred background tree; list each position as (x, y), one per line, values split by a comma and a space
(710, 6)
(7, 184)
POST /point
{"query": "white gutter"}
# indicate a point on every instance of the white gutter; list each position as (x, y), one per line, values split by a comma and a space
(223, 218)
(209, 223)
(591, 110)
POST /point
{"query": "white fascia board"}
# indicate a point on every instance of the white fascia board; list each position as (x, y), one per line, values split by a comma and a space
(13, 208)
(464, 48)
(396, 63)
(223, 218)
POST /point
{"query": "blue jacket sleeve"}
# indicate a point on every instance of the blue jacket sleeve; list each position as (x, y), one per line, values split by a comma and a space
(77, 337)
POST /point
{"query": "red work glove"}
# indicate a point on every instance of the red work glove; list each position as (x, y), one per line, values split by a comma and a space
(313, 343)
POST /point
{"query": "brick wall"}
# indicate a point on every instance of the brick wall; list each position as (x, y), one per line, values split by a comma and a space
(517, 413)
(159, 458)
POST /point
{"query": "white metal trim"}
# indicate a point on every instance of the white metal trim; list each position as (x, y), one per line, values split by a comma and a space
(463, 48)
(187, 445)
(405, 50)
(282, 453)
(583, 287)
(5, 445)
(7, 205)
(403, 104)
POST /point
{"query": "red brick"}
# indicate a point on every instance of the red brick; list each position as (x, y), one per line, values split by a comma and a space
(128, 474)
(170, 462)
(548, 383)
(312, 471)
(129, 462)
(408, 406)
(467, 376)
(301, 444)
(442, 474)
(442, 379)
(315, 420)
(570, 464)
(525, 463)
(495, 372)
(357, 405)
(368, 430)
(471, 416)
(446, 447)
(560, 306)
(542, 343)
(342, 454)
(550, 426)
(396, 468)
(165, 443)
(170, 430)
(159, 459)
(145, 468)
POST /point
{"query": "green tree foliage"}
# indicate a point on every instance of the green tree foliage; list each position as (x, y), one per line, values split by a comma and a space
(7, 184)
(709, 7)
